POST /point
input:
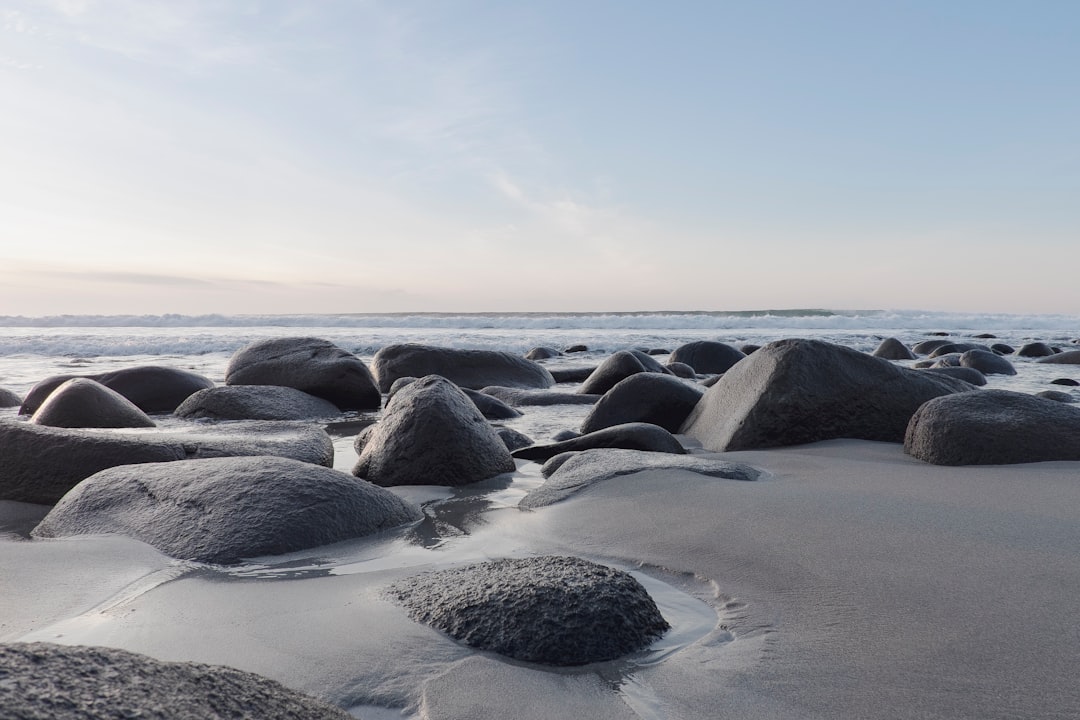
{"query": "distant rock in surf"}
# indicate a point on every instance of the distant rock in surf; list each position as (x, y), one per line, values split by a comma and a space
(9, 399)
(987, 363)
(542, 353)
(1069, 357)
(1035, 349)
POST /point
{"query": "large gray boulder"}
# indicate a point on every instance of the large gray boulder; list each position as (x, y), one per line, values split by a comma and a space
(85, 403)
(707, 356)
(986, 362)
(615, 367)
(489, 406)
(893, 349)
(152, 388)
(42, 681)
(1069, 357)
(993, 427)
(255, 402)
(221, 510)
(39, 464)
(629, 436)
(8, 398)
(553, 610)
(473, 369)
(799, 391)
(432, 434)
(313, 365)
(645, 397)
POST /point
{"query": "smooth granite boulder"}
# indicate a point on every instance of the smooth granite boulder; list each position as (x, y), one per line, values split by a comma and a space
(572, 374)
(615, 367)
(542, 353)
(569, 472)
(8, 398)
(466, 368)
(85, 403)
(707, 356)
(645, 397)
(43, 681)
(681, 370)
(489, 406)
(629, 436)
(800, 391)
(255, 402)
(553, 610)
(993, 427)
(515, 397)
(431, 433)
(1035, 349)
(986, 362)
(967, 374)
(1003, 349)
(152, 388)
(1069, 357)
(513, 439)
(221, 510)
(893, 349)
(313, 365)
(39, 464)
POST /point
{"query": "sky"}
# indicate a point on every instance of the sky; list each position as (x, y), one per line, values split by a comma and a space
(249, 156)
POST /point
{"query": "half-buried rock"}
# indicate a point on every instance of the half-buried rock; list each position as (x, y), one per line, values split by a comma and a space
(473, 369)
(63, 682)
(222, 510)
(255, 402)
(85, 403)
(553, 610)
(628, 436)
(431, 433)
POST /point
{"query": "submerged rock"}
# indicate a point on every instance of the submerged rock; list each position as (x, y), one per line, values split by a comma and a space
(629, 436)
(645, 397)
(466, 368)
(1035, 349)
(553, 610)
(85, 403)
(542, 353)
(152, 388)
(256, 402)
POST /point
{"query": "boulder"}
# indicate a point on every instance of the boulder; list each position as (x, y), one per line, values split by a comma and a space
(617, 366)
(313, 365)
(993, 427)
(1069, 357)
(576, 349)
(553, 610)
(222, 510)
(542, 353)
(572, 375)
(648, 362)
(65, 682)
(489, 406)
(893, 349)
(513, 439)
(466, 368)
(432, 434)
(1065, 381)
(255, 402)
(39, 464)
(748, 348)
(629, 436)
(645, 397)
(522, 398)
(928, 346)
(681, 370)
(986, 362)
(152, 388)
(85, 403)
(1003, 349)
(967, 374)
(1056, 395)
(1035, 349)
(707, 356)
(9, 399)
(799, 391)
(569, 472)
(947, 360)
(956, 348)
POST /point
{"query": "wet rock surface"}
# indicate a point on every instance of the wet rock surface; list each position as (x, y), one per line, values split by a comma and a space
(255, 402)
(85, 403)
(152, 388)
(644, 397)
(466, 368)
(629, 436)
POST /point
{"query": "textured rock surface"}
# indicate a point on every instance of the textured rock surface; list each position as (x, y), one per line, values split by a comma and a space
(466, 368)
(39, 464)
(256, 402)
(799, 391)
(489, 406)
(893, 349)
(993, 427)
(570, 472)
(553, 610)
(221, 510)
(85, 403)
(313, 365)
(153, 388)
(432, 434)
(707, 356)
(629, 436)
(645, 397)
(9, 399)
(42, 681)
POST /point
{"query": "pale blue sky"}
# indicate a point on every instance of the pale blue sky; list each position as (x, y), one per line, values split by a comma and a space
(250, 156)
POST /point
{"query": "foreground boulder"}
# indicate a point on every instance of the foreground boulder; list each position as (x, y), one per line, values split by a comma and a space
(152, 388)
(629, 436)
(432, 434)
(313, 365)
(645, 397)
(553, 610)
(707, 356)
(39, 464)
(799, 391)
(993, 427)
(221, 510)
(466, 368)
(255, 402)
(85, 403)
(64, 682)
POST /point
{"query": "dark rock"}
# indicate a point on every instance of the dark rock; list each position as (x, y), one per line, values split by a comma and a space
(1036, 349)
(515, 397)
(650, 363)
(565, 435)
(659, 351)
(948, 360)
(893, 349)
(1056, 395)
(939, 333)
(928, 346)
(64, 682)
(1066, 381)
(985, 336)
(1002, 349)
(313, 365)
(222, 510)
(513, 439)
(987, 363)
(926, 364)
(1070, 357)
(432, 434)
(553, 610)
(799, 391)
(362, 437)
(967, 374)
(707, 356)
(39, 464)
(629, 436)
(466, 368)
(542, 353)
(576, 349)
(617, 366)
(572, 375)
(255, 402)
(489, 406)
(645, 397)
(85, 403)
(749, 348)
(710, 381)
(153, 388)
(993, 427)
(569, 472)
(955, 348)
(681, 370)
(9, 398)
